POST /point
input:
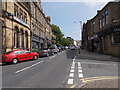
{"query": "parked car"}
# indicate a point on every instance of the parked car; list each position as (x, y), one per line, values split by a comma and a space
(54, 49)
(60, 49)
(72, 47)
(18, 55)
(45, 52)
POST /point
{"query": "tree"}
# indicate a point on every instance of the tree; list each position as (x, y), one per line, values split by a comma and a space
(59, 35)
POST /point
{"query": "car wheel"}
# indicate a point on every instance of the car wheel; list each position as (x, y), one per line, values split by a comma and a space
(35, 57)
(15, 61)
(47, 54)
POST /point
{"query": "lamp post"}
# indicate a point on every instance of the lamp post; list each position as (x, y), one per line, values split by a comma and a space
(80, 25)
(80, 30)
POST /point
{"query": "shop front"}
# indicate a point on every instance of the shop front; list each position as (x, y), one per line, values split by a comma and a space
(35, 43)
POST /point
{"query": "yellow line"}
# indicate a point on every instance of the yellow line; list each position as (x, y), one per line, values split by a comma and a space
(73, 86)
(97, 78)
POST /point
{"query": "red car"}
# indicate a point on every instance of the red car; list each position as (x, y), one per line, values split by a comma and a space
(18, 55)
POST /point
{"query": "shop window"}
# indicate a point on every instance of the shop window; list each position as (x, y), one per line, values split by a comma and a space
(116, 38)
(105, 42)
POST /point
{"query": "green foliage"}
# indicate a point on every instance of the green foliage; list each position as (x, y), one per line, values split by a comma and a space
(60, 40)
(66, 42)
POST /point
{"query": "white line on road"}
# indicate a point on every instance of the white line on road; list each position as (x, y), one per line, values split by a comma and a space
(71, 75)
(52, 57)
(71, 70)
(80, 75)
(79, 67)
(74, 58)
(70, 81)
(79, 70)
(28, 67)
(72, 67)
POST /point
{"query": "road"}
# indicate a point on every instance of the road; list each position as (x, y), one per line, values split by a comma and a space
(63, 70)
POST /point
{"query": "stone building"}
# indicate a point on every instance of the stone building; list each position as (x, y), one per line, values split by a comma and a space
(15, 26)
(103, 30)
(25, 26)
(40, 27)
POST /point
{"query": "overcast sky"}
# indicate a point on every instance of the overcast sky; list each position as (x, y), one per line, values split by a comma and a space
(64, 14)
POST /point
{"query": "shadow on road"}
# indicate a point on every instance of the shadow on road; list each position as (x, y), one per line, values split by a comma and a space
(71, 53)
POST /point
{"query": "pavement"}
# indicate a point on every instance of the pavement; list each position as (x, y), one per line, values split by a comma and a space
(96, 56)
(105, 82)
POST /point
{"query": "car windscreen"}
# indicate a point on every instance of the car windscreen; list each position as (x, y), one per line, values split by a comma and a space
(7, 52)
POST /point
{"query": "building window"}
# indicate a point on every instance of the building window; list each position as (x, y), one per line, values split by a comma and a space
(106, 17)
(115, 38)
(34, 11)
(103, 20)
(25, 17)
(94, 26)
(16, 11)
(100, 23)
(21, 14)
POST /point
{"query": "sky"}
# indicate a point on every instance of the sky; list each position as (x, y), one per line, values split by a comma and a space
(64, 14)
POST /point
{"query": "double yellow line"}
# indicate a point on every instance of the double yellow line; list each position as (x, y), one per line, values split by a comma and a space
(84, 80)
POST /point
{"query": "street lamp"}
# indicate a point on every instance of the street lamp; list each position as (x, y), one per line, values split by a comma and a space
(80, 30)
(80, 25)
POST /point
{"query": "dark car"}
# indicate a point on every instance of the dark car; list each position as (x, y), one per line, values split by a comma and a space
(45, 52)
(18, 55)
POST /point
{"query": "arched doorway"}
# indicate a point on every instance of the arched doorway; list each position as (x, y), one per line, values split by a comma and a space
(16, 37)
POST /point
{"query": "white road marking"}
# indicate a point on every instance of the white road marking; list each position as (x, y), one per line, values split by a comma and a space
(79, 64)
(71, 75)
(28, 67)
(74, 59)
(72, 67)
(98, 63)
(70, 81)
(72, 70)
(80, 75)
(79, 67)
(79, 70)
(52, 57)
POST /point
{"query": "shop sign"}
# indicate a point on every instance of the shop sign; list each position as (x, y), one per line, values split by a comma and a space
(20, 21)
